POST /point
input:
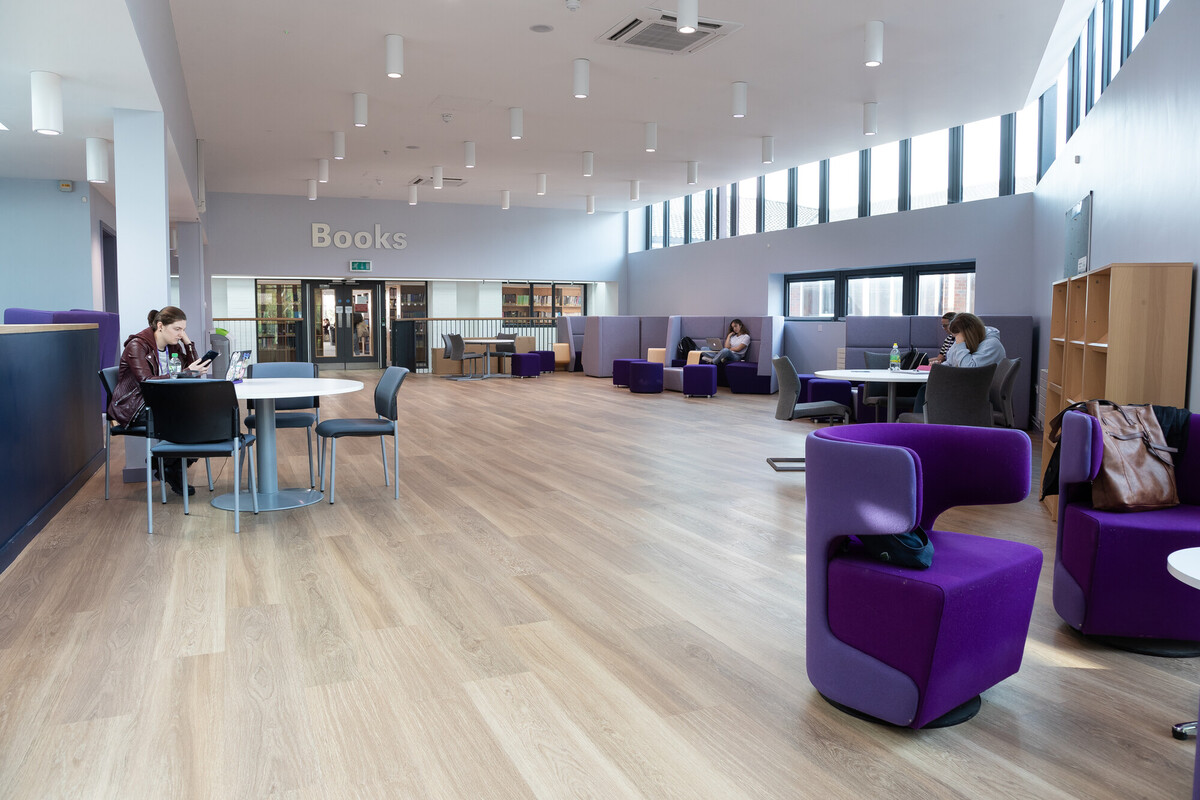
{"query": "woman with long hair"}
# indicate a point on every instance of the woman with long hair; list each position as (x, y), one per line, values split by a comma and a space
(737, 344)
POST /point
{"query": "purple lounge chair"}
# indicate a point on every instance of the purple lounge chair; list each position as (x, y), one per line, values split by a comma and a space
(1110, 568)
(905, 646)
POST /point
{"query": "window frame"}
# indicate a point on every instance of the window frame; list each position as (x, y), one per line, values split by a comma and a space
(910, 273)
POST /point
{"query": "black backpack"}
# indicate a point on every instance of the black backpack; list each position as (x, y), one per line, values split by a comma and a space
(686, 345)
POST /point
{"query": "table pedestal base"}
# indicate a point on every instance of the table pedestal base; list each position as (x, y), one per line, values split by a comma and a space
(273, 501)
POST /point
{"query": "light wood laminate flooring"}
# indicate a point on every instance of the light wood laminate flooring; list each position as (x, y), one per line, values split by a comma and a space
(581, 592)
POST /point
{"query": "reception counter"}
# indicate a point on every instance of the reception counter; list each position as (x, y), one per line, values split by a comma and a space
(53, 438)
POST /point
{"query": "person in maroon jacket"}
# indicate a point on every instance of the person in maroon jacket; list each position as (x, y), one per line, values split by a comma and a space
(147, 354)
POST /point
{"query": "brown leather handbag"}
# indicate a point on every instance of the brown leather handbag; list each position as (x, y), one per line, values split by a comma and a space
(1137, 473)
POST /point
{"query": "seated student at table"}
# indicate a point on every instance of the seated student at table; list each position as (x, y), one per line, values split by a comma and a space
(948, 342)
(975, 345)
(148, 353)
(737, 344)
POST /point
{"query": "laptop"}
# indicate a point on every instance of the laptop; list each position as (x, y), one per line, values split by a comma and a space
(714, 343)
(238, 361)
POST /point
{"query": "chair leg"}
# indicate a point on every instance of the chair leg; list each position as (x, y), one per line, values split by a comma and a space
(162, 479)
(798, 464)
(253, 480)
(185, 487)
(107, 453)
(237, 492)
(332, 468)
(1183, 730)
(208, 469)
(396, 455)
(321, 461)
(383, 455)
(312, 484)
(149, 490)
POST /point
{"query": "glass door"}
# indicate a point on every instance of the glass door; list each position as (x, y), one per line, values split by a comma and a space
(346, 327)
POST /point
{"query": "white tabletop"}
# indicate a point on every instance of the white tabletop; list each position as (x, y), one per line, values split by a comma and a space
(486, 340)
(1185, 565)
(875, 375)
(265, 388)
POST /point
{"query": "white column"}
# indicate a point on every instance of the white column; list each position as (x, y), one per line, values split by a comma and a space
(193, 286)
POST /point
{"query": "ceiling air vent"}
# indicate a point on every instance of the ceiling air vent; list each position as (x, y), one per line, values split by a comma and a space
(654, 30)
(447, 182)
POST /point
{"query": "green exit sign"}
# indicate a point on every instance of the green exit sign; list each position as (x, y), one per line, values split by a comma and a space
(360, 266)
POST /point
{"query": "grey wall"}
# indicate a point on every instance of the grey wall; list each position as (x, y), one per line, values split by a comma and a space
(1138, 152)
(272, 235)
(742, 273)
(45, 247)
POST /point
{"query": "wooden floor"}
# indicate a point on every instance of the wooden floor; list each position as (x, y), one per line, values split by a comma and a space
(580, 593)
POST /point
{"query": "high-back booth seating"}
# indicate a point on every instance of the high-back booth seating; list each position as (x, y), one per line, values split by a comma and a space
(913, 647)
(609, 338)
(754, 374)
(1110, 567)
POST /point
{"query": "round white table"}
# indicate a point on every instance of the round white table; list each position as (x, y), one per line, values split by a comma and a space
(878, 376)
(487, 343)
(1185, 565)
(264, 392)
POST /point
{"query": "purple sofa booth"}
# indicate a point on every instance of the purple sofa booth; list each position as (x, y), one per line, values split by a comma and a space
(609, 338)
(914, 647)
(570, 332)
(876, 334)
(753, 374)
(1110, 568)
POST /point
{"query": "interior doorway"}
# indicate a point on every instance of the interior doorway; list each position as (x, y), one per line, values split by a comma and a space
(346, 329)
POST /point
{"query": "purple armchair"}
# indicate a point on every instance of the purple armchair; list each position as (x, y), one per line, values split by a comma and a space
(1110, 568)
(914, 647)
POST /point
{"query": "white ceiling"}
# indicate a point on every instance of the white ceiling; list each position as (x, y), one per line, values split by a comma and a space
(269, 80)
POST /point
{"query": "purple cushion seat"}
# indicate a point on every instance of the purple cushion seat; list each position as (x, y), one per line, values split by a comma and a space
(547, 359)
(645, 377)
(526, 365)
(955, 629)
(699, 380)
(620, 371)
(743, 378)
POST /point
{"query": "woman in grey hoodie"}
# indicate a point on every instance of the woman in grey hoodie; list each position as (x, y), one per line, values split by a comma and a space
(975, 345)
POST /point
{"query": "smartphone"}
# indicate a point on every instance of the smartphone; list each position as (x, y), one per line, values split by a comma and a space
(209, 356)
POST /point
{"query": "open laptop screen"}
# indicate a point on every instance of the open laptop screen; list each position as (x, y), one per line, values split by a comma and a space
(238, 360)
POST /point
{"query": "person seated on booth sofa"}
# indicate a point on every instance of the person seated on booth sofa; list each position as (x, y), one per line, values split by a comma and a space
(948, 342)
(737, 344)
(975, 345)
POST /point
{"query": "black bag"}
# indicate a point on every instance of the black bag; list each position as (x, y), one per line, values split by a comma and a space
(686, 345)
(912, 549)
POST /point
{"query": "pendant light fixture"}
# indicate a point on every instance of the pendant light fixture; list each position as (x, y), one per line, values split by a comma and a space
(312, 189)
(635, 190)
(437, 177)
(739, 99)
(693, 172)
(870, 119)
(469, 155)
(516, 123)
(591, 204)
(688, 16)
(97, 160)
(360, 109)
(322, 170)
(505, 196)
(45, 89)
(651, 137)
(339, 145)
(412, 195)
(395, 55)
(541, 184)
(874, 43)
(589, 162)
(768, 149)
(582, 78)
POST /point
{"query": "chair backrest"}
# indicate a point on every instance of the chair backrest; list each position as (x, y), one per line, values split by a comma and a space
(108, 379)
(456, 346)
(287, 369)
(789, 387)
(447, 347)
(872, 360)
(959, 396)
(386, 390)
(191, 412)
(1000, 394)
(506, 348)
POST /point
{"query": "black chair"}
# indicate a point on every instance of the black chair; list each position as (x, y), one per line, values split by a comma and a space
(296, 408)
(108, 379)
(876, 394)
(956, 396)
(387, 423)
(1001, 393)
(195, 419)
(789, 407)
(458, 353)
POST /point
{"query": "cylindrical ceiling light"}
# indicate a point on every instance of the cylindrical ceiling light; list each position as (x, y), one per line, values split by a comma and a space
(516, 123)
(874, 45)
(582, 77)
(312, 189)
(339, 145)
(688, 16)
(469, 154)
(437, 177)
(505, 196)
(591, 204)
(45, 89)
(541, 183)
(768, 149)
(322, 170)
(651, 137)
(360, 109)
(635, 190)
(870, 119)
(97, 160)
(412, 195)
(739, 99)
(693, 173)
(589, 163)
(395, 55)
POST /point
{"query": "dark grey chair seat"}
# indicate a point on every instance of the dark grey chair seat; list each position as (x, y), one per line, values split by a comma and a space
(291, 419)
(334, 428)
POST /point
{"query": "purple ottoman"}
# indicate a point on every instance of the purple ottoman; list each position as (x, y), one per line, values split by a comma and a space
(743, 378)
(699, 380)
(620, 371)
(547, 357)
(646, 377)
(526, 365)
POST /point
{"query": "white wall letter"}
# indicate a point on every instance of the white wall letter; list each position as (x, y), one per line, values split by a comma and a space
(320, 234)
(398, 241)
(341, 239)
(363, 240)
